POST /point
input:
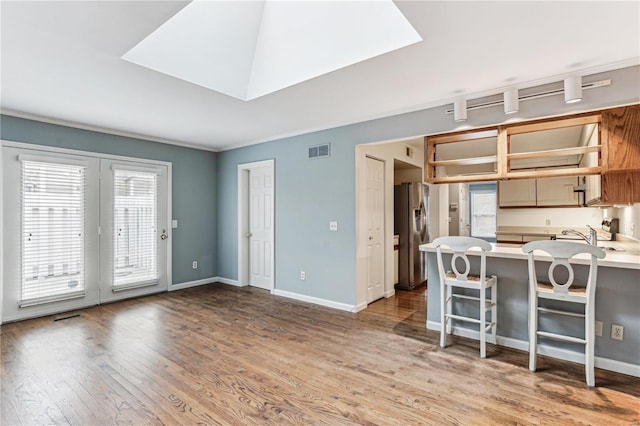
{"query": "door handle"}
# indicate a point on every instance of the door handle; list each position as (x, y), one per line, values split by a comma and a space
(164, 236)
(370, 238)
(248, 235)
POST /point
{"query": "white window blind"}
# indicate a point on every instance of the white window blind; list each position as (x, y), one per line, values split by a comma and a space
(53, 231)
(483, 214)
(134, 221)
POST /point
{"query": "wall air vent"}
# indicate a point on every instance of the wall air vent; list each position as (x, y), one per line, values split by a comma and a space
(319, 151)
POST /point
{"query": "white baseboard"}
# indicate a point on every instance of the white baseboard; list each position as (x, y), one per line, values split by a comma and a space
(195, 283)
(316, 300)
(389, 293)
(206, 281)
(230, 282)
(360, 306)
(563, 354)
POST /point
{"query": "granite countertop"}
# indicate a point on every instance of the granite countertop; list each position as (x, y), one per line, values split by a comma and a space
(627, 258)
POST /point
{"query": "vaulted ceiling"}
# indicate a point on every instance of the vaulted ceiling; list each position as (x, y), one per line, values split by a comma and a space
(63, 61)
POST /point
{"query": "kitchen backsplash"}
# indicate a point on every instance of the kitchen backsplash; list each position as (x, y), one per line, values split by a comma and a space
(574, 218)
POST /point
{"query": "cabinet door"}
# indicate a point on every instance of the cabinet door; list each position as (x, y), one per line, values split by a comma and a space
(593, 194)
(517, 193)
(621, 138)
(621, 187)
(557, 191)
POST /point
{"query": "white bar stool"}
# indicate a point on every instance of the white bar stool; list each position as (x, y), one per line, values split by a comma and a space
(562, 251)
(448, 280)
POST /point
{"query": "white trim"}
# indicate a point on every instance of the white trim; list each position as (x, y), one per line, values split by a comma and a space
(1, 236)
(169, 269)
(195, 283)
(316, 300)
(243, 213)
(79, 152)
(230, 282)
(360, 307)
(563, 354)
(76, 125)
(389, 293)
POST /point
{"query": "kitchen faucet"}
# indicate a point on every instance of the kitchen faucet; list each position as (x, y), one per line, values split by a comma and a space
(591, 239)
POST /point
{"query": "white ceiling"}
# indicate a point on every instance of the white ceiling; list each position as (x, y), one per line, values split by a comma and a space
(62, 61)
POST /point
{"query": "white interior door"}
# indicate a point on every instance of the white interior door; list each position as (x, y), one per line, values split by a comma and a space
(261, 227)
(134, 229)
(375, 228)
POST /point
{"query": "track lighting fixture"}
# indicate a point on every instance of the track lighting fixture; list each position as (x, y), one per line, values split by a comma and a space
(573, 89)
(511, 101)
(460, 110)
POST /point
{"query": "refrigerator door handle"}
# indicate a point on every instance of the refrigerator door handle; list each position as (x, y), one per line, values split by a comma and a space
(423, 223)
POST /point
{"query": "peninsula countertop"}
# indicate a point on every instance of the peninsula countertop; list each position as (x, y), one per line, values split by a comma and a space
(626, 254)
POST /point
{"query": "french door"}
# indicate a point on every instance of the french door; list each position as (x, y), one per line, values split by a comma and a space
(80, 230)
(133, 232)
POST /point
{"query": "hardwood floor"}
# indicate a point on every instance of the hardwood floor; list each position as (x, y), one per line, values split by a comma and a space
(218, 354)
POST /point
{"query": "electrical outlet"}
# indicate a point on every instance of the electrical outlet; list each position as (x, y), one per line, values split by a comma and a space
(548, 221)
(617, 332)
(195, 264)
(303, 276)
(598, 328)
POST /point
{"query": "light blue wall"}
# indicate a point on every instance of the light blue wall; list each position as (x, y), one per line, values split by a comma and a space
(194, 186)
(310, 193)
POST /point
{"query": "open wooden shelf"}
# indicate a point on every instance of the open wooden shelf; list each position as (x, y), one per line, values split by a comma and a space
(554, 152)
(465, 161)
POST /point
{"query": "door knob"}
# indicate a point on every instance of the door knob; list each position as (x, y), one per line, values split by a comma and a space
(370, 238)
(164, 236)
(248, 234)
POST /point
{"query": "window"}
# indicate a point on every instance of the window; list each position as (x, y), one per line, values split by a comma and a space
(134, 221)
(53, 222)
(483, 203)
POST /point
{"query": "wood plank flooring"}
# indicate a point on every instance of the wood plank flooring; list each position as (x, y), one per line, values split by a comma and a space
(218, 354)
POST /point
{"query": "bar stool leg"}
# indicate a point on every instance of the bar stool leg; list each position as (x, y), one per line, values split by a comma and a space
(494, 311)
(483, 322)
(533, 330)
(589, 333)
(443, 315)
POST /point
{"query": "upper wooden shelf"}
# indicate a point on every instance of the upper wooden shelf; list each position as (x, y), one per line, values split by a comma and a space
(563, 152)
(465, 161)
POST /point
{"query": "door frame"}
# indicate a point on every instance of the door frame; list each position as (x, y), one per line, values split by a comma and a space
(50, 149)
(243, 220)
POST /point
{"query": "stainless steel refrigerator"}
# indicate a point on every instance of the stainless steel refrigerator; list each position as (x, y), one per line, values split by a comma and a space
(411, 223)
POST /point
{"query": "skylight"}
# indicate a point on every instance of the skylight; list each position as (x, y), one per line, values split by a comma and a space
(248, 49)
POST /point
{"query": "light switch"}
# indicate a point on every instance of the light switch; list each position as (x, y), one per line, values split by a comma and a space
(333, 225)
(174, 223)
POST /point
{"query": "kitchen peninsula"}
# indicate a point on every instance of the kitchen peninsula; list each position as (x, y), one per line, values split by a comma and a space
(617, 302)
